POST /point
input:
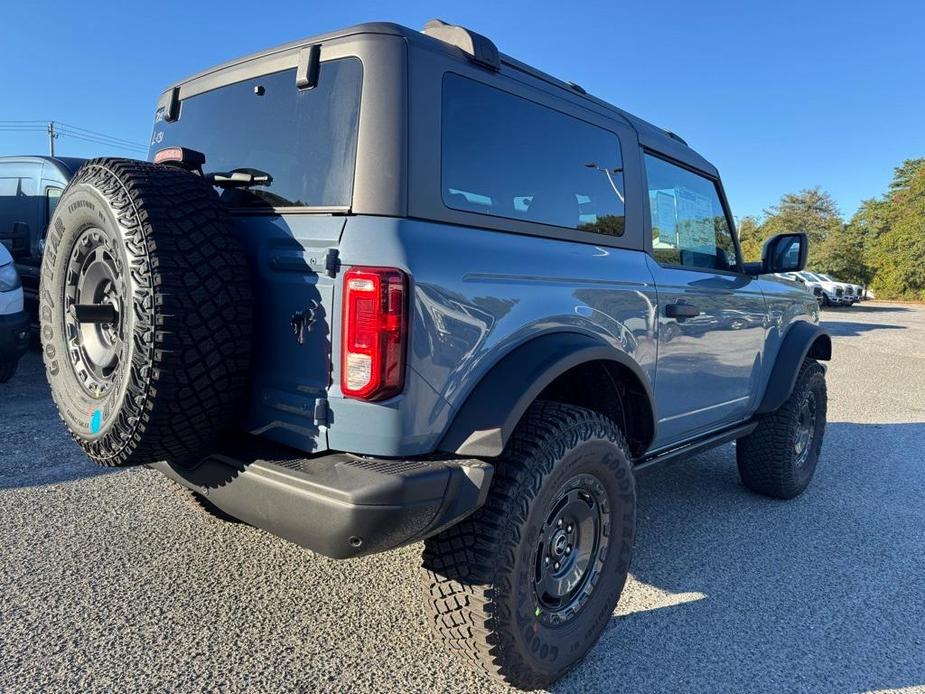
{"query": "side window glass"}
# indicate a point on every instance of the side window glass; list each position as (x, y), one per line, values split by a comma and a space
(689, 225)
(52, 195)
(506, 156)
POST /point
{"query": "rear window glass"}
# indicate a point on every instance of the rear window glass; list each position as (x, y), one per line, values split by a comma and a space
(506, 156)
(305, 139)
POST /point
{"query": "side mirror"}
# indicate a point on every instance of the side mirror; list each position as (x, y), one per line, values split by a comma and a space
(781, 253)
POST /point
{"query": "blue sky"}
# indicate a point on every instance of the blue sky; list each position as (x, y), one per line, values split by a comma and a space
(780, 96)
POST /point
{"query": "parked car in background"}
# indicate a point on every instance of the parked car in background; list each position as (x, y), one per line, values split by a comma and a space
(852, 291)
(833, 293)
(811, 284)
(812, 287)
(29, 190)
(14, 325)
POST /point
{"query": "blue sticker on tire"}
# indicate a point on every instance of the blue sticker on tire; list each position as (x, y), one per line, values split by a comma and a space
(96, 421)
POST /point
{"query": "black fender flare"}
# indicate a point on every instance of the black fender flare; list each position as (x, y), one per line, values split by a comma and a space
(493, 408)
(802, 340)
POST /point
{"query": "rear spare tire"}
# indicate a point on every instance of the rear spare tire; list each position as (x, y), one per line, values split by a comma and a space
(146, 313)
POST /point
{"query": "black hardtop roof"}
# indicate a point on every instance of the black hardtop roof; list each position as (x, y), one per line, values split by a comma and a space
(66, 165)
(650, 136)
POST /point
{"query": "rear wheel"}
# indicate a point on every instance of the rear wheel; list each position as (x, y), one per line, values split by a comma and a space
(779, 457)
(145, 309)
(524, 587)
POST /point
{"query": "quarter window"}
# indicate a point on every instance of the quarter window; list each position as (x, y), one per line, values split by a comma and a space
(506, 156)
(689, 224)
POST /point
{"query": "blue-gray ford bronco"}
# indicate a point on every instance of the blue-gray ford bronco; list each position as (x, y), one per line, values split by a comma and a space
(382, 286)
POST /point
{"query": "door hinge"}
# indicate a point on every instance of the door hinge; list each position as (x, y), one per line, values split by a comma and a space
(321, 412)
(327, 262)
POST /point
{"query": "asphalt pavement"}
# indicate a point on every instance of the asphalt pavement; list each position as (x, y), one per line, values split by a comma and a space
(108, 581)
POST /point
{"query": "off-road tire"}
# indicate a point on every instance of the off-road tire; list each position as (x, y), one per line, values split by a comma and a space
(181, 344)
(7, 370)
(201, 505)
(767, 460)
(478, 575)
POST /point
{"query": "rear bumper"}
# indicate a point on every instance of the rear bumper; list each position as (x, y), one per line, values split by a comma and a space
(339, 505)
(14, 335)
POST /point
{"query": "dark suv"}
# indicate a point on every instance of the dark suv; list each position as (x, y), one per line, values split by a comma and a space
(30, 187)
(381, 286)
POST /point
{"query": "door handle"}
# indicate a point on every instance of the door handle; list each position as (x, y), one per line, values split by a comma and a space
(681, 311)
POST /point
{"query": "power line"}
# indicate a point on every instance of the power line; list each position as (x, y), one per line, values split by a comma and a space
(98, 134)
(101, 139)
(98, 141)
(55, 130)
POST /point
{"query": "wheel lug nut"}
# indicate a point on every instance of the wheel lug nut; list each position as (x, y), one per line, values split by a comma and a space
(556, 567)
(546, 561)
(559, 523)
(568, 550)
(569, 529)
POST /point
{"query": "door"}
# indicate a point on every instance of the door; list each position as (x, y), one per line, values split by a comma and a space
(712, 317)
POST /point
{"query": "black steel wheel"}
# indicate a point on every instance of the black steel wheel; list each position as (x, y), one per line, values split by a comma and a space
(571, 549)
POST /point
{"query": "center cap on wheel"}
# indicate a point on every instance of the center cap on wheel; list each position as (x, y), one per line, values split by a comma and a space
(558, 544)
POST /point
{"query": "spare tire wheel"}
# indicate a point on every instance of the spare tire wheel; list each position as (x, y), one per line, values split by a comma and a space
(146, 313)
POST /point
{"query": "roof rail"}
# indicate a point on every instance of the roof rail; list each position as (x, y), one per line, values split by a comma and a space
(480, 49)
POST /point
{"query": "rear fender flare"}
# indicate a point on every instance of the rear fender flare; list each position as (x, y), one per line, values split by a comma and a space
(493, 408)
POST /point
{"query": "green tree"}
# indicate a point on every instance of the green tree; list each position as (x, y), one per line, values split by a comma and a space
(842, 255)
(812, 211)
(750, 239)
(895, 226)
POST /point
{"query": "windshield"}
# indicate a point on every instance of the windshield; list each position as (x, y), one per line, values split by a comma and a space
(305, 139)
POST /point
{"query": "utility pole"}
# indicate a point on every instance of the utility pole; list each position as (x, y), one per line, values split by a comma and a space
(52, 135)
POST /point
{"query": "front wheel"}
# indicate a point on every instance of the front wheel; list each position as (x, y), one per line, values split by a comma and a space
(524, 587)
(779, 457)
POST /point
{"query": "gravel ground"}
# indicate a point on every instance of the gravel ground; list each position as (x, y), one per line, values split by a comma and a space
(109, 582)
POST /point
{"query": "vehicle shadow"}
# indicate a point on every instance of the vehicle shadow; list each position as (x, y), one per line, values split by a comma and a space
(854, 329)
(735, 592)
(35, 448)
(867, 308)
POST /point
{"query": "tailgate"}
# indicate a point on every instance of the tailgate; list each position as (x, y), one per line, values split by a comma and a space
(294, 304)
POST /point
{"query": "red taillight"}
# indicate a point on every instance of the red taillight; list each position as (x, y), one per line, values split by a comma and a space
(375, 326)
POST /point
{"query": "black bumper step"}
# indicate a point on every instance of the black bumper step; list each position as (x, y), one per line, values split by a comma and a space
(339, 505)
